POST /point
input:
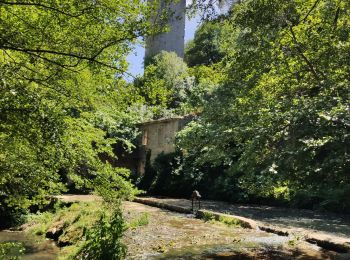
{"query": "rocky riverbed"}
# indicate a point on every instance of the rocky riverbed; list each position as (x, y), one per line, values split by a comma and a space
(155, 233)
(169, 235)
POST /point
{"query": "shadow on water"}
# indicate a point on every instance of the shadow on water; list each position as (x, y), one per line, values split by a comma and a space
(34, 249)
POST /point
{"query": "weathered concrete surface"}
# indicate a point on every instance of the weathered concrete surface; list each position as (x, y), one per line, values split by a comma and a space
(243, 222)
(200, 213)
(174, 39)
(158, 136)
(165, 205)
(328, 230)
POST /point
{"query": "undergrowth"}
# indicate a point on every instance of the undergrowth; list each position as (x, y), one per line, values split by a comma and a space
(227, 220)
(11, 250)
(86, 227)
(143, 220)
(76, 221)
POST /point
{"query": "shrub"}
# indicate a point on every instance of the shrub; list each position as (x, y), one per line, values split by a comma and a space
(143, 220)
(11, 250)
(103, 240)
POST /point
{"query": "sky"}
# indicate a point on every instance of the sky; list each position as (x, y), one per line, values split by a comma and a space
(135, 58)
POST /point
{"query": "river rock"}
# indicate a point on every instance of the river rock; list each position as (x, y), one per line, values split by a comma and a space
(62, 242)
(55, 231)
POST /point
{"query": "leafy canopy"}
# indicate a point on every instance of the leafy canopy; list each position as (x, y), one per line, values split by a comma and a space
(62, 99)
(165, 84)
(280, 120)
(204, 49)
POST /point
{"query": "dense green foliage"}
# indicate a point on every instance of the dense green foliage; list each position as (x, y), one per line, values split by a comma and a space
(169, 87)
(269, 83)
(176, 175)
(11, 250)
(63, 104)
(165, 85)
(204, 49)
(62, 99)
(103, 240)
(90, 229)
(280, 121)
(274, 125)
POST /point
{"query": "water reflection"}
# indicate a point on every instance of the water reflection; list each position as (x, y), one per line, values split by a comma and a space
(35, 249)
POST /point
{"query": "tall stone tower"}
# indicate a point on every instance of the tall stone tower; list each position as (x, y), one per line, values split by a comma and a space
(174, 40)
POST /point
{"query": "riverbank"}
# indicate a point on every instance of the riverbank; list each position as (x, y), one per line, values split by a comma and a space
(171, 235)
(331, 231)
(23, 245)
(155, 233)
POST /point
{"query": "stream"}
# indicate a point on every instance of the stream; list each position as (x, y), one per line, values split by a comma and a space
(34, 248)
(171, 235)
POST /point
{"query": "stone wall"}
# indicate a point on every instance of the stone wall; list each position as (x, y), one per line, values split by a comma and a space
(158, 137)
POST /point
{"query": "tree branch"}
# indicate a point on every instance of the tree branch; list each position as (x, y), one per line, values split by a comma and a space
(38, 81)
(335, 22)
(46, 7)
(310, 11)
(72, 55)
(301, 53)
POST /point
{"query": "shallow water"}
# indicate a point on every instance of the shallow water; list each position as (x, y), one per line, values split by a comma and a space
(35, 249)
(172, 235)
(239, 252)
(250, 246)
(267, 239)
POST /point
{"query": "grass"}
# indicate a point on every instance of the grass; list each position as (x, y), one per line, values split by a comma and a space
(227, 220)
(74, 220)
(77, 216)
(231, 221)
(294, 241)
(143, 220)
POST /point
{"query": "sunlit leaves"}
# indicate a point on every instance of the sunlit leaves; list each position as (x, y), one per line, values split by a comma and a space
(62, 100)
(281, 116)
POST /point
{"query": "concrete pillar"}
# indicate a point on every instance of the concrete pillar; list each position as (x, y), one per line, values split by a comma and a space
(174, 40)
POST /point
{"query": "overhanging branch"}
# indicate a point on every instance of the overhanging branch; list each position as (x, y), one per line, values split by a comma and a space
(92, 59)
(82, 12)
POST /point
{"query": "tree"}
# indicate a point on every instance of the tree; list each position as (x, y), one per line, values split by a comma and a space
(280, 119)
(165, 83)
(209, 9)
(62, 99)
(204, 49)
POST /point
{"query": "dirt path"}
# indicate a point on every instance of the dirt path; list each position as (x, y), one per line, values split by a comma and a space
(77, 198)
